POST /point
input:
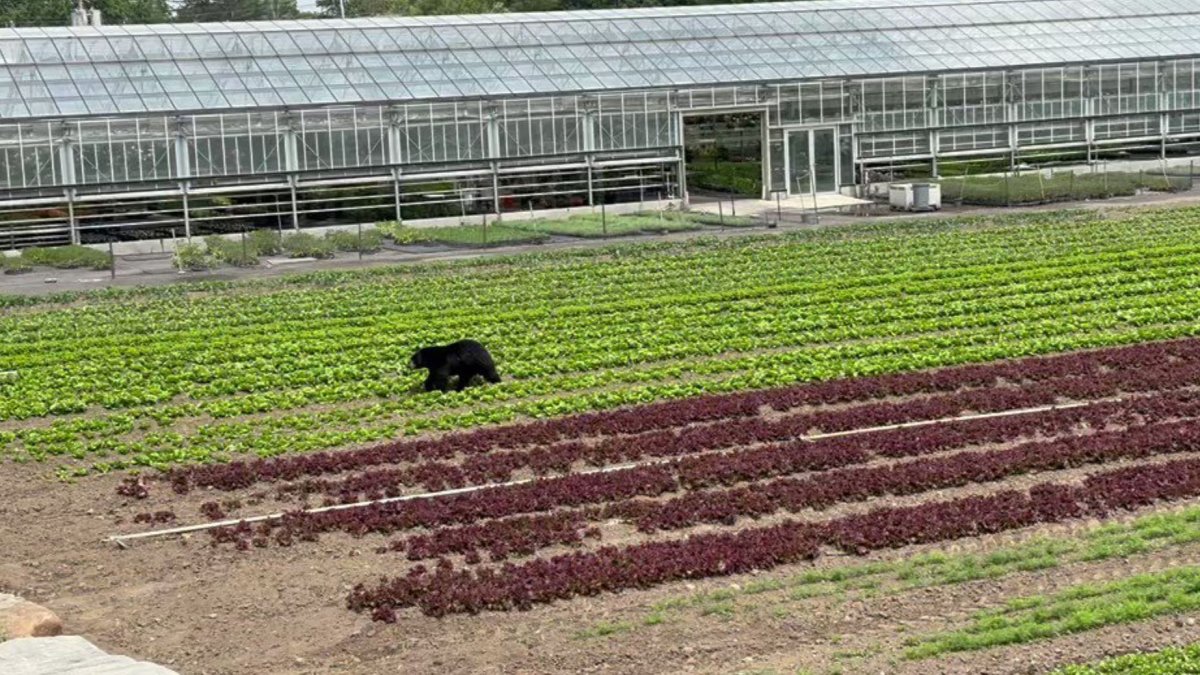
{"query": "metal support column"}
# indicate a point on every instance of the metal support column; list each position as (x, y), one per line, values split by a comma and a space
(395, 119)
(66, 157)
(396, 194)
(71, 224)
(765, 156)
(1013, 147)
(590, 189)
(934, 139)
(496, 189)
(1164, 124)
(295, 205)
(187, 214)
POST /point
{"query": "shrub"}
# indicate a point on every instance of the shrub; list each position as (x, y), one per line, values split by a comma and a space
(348, 241)
(193, 258)
(67, 257)
(305, 245)
(401, 234)
(231, 252)
(265, 242)
(15, 265)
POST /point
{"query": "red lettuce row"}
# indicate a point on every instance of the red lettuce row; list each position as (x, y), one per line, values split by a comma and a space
(617, 488)
(912, 477)
(500, 466)
(522, 535)
(611, 568)
(671, 414)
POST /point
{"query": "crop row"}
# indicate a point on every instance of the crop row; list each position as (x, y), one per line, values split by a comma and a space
(690, 267)
(825, 489)
(292, 300)
(612, 568)
(661, 417)
(499, 466)
(1031, 300)
(1053, 323)
(611, 494)
(359, 424)
(621, 274)
(365, 372)
(36, 437)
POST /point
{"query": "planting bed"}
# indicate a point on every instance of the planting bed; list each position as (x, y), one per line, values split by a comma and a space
(704, 457)
(730, 484)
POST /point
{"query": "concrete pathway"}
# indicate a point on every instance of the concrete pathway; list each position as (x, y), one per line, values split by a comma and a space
(68, 655)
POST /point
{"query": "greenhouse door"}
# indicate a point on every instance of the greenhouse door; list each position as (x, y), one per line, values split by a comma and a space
(812, 159)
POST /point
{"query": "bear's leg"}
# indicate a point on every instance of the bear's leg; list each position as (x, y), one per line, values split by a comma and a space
(491, 376)
(464, 379)
(438, 379)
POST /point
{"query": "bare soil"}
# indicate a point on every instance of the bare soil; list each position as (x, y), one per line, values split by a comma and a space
(199, 609)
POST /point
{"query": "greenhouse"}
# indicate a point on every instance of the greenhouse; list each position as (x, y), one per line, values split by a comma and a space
(134, 131)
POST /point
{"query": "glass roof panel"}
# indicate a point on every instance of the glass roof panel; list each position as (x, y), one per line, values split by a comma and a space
(269, 64)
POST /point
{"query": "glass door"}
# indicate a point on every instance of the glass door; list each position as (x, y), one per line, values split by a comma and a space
(824, 154)
(812, 161)
(799, 163)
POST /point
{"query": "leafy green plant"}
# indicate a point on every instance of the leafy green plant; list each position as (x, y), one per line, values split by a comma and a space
(67, 257)
(192, 257)
(231, 251)
(1035, 188)
(615, 325)
(265, 242)
(349, 241)
(1170, 661)
(305, 245)
(483, 235)
(402, 234)
(1079, 608)
(15, 265)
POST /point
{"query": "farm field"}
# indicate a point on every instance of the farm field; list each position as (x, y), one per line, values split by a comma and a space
(958, 446)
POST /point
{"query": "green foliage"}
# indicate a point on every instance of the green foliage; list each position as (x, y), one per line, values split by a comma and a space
(740, 178)
(58, 12)
(482, 236)
(236, 10)
(191, 257)
(231, 251)
(67, 257)
(1034, 188)
(1170, 661)
(305, 245)
(348, 241)
(1079, 608)
(15, 265)
(613, 225)
(265, 242)
(476, 236)
(414, 7)
(575, 331)
(402, 234)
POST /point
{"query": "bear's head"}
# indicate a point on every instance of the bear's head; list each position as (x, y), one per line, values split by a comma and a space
(418, 360)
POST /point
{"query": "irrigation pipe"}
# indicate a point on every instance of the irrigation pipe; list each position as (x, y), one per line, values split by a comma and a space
(121, 539)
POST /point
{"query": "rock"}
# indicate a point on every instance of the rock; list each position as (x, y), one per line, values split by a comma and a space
(19, 619)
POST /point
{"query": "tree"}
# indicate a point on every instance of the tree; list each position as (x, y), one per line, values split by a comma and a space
(409, 7)
(58, 12)
(236, 10)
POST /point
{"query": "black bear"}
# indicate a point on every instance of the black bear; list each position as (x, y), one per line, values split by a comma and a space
(464, 359)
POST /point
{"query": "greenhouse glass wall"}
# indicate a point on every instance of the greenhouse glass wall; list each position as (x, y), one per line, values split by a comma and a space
(124, 131)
